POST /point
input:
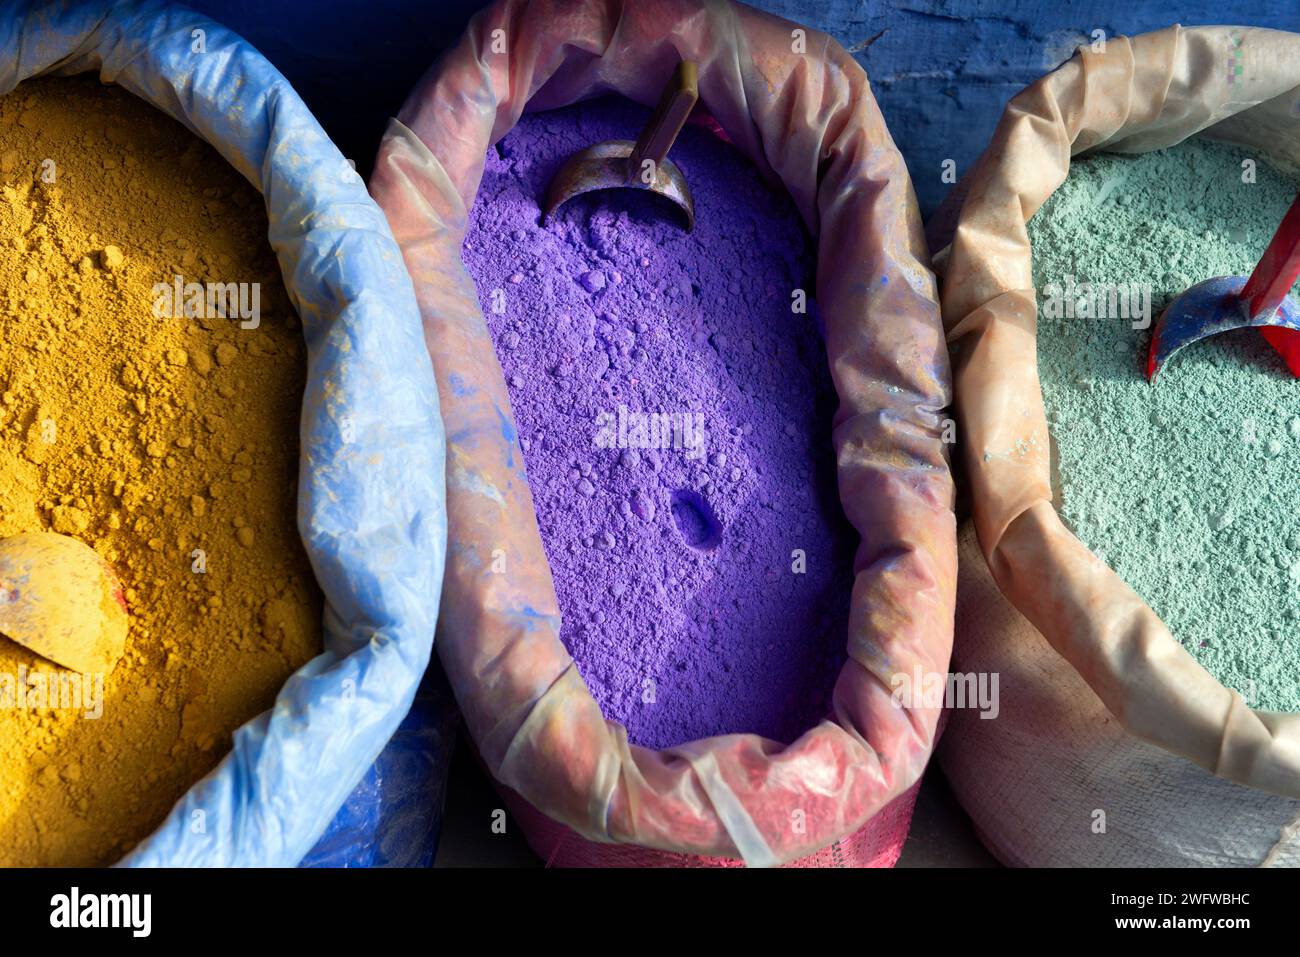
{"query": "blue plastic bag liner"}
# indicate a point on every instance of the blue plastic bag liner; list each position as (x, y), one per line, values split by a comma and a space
(370, 496)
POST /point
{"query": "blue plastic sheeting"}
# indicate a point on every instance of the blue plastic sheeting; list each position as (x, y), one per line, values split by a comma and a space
(353, 63)
(943, 70)
(394, 816)
(371, 505)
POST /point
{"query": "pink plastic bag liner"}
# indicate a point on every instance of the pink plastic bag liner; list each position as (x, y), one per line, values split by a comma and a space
(806, 117)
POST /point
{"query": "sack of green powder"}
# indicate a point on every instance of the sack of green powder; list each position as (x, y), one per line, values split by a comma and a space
(797, 106)
(1112, 745)
(371, 478)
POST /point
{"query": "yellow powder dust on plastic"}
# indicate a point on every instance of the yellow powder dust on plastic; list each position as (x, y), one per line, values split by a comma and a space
(165, 440)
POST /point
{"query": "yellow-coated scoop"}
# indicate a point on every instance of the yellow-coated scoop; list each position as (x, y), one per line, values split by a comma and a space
(62, 601)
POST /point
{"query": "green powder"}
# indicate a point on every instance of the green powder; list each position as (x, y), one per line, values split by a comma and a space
(1187, 489)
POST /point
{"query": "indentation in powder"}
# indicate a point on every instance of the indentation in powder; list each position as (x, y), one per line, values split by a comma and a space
(695, 520)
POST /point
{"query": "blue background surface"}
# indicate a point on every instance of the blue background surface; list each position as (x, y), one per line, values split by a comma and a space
(942, 70)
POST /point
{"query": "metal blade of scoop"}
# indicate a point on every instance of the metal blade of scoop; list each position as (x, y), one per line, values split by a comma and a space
(604, 166)
(1228, 302)
(1207, 309)
(644, 164)
(62, 601)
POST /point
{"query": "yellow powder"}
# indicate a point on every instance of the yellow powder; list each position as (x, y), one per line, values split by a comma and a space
(169, 445)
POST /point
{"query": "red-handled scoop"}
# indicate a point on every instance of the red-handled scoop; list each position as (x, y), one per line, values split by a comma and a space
(1232, 302)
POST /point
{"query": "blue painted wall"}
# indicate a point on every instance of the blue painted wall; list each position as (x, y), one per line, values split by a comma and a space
(942, 69)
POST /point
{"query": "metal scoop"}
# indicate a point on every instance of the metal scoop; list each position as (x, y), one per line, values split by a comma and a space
(62, 601)
(1232, 302)
(644, 164)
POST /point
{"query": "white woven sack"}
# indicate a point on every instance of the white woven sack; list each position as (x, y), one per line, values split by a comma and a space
(1055, 781)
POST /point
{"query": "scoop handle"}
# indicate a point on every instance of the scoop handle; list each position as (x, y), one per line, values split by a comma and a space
(1278, 269)
(669, 117)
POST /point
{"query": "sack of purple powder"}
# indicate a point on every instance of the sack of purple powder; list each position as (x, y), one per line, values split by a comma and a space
(700, 512)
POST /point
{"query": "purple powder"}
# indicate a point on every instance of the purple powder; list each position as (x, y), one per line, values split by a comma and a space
(675, 414)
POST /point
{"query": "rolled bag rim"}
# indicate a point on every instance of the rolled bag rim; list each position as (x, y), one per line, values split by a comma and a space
(1146, 679)
(730, 795)
(1056, 756)
(376, 548)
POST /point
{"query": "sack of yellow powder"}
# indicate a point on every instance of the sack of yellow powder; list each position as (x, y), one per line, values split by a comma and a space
(370, 489)
(1113, 745)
